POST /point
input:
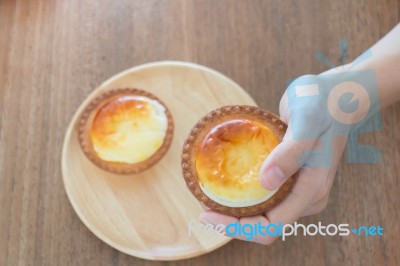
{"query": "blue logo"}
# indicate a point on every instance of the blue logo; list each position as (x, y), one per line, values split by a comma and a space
(343, 104)
(249, 231)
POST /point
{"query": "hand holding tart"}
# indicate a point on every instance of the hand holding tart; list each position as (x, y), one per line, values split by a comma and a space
(222, 157)
(125, 131)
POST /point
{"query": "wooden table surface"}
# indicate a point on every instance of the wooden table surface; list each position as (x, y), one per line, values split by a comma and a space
(54, 53)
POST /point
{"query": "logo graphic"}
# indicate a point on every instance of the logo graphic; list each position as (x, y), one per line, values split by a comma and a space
(249, 231)
(357, 93)
(343, 103)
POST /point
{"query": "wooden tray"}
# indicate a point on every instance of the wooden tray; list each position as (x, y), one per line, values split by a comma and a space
(147, 215)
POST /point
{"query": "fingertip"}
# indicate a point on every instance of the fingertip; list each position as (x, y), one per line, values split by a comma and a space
(265, 183)
(204, 207)
(204, 218)
(211, 217)
(272, 177)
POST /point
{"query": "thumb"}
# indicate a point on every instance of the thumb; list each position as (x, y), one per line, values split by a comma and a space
(284, 161)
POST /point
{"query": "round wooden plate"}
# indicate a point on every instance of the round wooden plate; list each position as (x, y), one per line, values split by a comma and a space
(147, 215)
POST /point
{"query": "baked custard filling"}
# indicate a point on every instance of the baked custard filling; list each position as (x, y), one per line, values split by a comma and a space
(228, 162)
(129, 129)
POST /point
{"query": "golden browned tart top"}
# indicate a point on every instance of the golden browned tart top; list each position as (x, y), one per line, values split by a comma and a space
(126, 130)
(222, 157)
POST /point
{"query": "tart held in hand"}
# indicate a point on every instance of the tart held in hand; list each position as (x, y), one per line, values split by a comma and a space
(125, 131)
(222, 156)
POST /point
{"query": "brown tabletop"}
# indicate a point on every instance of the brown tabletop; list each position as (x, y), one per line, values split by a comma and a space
(54, 53)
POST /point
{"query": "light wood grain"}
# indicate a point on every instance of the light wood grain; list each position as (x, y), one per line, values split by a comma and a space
(147, 214)
(53, 53)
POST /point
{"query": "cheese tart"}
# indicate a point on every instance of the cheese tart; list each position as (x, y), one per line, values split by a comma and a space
(222, 156)
(125, 131)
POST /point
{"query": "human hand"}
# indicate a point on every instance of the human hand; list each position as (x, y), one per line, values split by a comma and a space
(310, 128)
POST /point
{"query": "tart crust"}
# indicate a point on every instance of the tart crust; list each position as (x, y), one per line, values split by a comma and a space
(199, 131)
(85, 125)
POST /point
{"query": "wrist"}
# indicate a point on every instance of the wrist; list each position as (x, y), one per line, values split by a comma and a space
(386, 69)
(351, 94)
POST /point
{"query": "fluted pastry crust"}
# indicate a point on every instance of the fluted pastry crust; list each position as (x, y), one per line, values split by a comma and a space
(198, 133)
(84, 128)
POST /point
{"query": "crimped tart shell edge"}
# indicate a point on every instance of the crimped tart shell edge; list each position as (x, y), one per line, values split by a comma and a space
(198, 132)
(85, 124)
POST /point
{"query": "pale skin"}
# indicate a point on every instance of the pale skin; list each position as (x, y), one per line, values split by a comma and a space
(311, 191)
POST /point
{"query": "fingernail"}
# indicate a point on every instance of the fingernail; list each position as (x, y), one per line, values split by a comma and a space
(205, 219)
(273, 178)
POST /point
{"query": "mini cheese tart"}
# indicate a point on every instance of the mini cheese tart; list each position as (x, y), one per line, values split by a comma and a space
(222, 156)
(125, 131)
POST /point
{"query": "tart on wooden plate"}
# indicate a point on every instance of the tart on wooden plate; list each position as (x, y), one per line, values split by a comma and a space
(222, 156)
(125, 131)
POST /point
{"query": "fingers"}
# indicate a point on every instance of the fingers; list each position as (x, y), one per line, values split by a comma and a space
(284, 161)
(305, 193)
(318, 207)
(255, 235)
(287, 212)
(211, 217)
(308, 122)
(295, 204)
(322, 197)
(248, 233)
(301, 196)
(284, 108)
